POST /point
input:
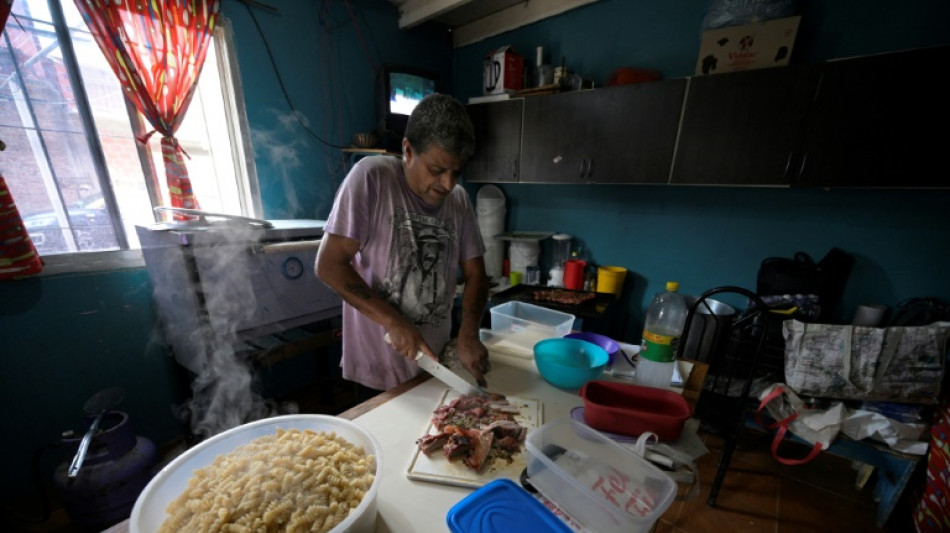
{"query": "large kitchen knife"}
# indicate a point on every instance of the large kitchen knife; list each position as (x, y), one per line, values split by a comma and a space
(443, 374)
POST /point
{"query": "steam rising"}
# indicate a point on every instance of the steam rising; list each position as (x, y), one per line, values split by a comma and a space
(225, 390)
(282, 146)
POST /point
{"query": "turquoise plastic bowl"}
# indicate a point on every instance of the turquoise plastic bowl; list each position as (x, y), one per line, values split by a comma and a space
(569, 363)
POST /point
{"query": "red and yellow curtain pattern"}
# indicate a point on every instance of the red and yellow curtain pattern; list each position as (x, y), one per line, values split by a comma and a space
(18, 257)
(157, 48)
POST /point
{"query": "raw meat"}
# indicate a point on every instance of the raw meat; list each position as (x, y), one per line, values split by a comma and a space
(476, 429)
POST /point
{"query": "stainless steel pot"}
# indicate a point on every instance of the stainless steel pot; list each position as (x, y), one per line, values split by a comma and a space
(709, 330)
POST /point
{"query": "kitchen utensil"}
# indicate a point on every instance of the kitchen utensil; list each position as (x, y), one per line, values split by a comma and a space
(571, 464)
(365, 139)
(569, 363)
(631, 409)
(609, 345)
(610, 279)
(437, 469)
(149, 510)
(574, 273)
(503, 502)
(443, 374)
(562, 249)
(95, 407)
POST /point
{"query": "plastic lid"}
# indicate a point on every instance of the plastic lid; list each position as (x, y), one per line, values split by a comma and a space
(490, 192)
(502, 506)
(672, 286)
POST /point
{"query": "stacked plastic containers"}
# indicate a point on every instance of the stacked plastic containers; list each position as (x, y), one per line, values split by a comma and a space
(490, 208)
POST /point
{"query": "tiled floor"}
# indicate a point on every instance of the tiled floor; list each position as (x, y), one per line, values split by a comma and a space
(761, 495)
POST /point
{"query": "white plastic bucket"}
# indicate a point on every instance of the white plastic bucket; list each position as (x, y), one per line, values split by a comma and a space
(523, 254)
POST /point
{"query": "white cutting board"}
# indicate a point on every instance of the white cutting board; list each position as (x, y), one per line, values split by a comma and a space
(438, 469)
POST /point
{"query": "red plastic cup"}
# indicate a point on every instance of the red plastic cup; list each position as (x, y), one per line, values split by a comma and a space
(574, 274)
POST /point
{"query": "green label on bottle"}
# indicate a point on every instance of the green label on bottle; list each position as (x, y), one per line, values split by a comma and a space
(659, 348)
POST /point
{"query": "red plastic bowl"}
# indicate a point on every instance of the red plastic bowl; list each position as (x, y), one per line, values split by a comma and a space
(632, 409)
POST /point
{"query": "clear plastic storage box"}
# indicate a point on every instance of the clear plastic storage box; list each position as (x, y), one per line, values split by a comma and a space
(527, 324)
(597, 482)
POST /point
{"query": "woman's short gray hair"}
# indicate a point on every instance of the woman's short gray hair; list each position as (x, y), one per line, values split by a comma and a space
(442, 121)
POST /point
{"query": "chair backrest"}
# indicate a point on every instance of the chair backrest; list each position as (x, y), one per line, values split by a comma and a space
(742, 355)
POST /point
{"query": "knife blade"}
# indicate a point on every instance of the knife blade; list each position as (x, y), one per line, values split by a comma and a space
(443, 374)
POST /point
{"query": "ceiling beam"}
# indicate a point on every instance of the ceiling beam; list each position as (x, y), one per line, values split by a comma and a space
(415, 12)
(511, 18)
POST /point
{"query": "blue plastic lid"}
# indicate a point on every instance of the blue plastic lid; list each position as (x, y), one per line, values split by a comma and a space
(502, 506)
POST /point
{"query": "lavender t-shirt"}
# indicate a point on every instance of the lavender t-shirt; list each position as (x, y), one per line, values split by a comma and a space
(409, 253)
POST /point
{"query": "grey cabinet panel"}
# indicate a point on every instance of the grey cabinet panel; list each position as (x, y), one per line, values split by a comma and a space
(880, 121)
(622, 134)
(743, 128)
(497, 141)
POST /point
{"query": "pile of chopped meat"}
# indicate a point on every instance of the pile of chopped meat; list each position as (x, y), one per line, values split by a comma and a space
(475, 430)
(563, 297)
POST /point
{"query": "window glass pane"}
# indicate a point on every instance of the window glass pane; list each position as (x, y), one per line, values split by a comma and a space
(113, 124)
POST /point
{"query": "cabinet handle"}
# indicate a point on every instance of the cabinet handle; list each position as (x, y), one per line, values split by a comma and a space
(515, 167)
(581, 170)
(590, 169)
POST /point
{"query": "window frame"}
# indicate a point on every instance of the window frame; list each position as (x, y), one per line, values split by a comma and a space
(248, 186)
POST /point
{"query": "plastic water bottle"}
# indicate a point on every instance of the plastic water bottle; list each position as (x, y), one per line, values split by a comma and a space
(662, 330)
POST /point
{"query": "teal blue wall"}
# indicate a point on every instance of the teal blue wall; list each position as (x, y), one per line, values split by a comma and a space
(66, 337)
(706, 237)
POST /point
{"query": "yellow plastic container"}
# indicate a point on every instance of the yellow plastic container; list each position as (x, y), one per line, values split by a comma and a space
(610, 279)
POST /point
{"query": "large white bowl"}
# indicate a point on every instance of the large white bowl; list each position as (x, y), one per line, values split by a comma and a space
(149, 510)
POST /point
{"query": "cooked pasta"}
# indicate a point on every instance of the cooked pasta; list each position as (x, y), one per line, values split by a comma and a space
(292, 481)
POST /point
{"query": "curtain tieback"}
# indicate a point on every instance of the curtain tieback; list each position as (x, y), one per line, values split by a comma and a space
(144, 140)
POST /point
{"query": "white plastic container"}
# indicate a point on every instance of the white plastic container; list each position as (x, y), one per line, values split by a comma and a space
(597, 482)
(490, 211)
(662, 330)
(149, 510)
(529, 319)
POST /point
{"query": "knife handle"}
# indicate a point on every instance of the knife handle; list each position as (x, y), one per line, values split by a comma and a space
(389, 341)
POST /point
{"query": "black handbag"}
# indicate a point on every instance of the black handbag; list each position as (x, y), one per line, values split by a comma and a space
(780, 275)
(801, 275)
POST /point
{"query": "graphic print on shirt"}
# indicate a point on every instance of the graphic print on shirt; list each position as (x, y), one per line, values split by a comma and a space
(415, 279)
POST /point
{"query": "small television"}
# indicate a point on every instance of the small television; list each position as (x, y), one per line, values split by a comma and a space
(399, 90)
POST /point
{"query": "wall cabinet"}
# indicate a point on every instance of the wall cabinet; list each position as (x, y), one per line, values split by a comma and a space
(879, 121)
(743, 128)
(622, 134)
(869, 121)
(497, 141)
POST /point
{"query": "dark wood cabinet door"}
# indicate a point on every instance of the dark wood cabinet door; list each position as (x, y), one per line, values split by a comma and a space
(497, 142)
(743, 128)
(880, 121)
(622, 134)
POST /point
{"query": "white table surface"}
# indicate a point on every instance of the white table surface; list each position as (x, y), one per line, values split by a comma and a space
(407, 505)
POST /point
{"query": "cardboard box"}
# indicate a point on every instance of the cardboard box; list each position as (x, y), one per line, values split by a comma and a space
(504, 70)
(749, 46)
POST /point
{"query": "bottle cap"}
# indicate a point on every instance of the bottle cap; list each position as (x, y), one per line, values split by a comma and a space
(672, 286)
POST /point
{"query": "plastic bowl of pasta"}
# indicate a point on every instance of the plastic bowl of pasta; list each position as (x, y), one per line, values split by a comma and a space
(248, 471)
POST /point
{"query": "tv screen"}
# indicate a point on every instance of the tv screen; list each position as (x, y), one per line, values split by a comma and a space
(406, 90)
(400, 89)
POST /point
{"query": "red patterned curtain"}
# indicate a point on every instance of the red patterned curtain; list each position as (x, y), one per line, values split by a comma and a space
(156, 48)
(18, 257)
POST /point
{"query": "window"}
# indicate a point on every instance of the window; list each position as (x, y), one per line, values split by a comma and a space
(80, 179)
